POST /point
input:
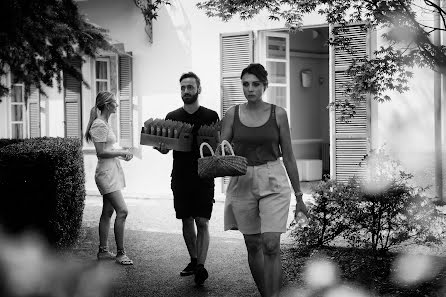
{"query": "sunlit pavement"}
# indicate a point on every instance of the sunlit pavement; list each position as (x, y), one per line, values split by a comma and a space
(154, 242)
(158, 215)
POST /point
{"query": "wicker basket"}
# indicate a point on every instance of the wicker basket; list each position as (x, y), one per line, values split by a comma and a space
(221, 165)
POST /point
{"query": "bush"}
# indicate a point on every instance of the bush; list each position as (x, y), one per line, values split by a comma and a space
(328, 214)
(378, 211)
(7, 141)
(388, 210)
(45, 179)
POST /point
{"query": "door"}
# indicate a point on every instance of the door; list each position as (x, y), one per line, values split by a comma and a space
(236, 52)
(349, 140)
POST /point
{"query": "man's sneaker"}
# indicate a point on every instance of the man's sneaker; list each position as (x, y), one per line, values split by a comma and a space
(189, 270)
(201, 274)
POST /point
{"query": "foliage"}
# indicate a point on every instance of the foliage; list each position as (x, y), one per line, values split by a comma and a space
(46, 177)
(406, 32)
(328, 213)
(150, 8)
(38, 39)
(388, 210)
(378, 211)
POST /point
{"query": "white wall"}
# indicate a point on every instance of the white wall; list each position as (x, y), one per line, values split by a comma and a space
(406, 124)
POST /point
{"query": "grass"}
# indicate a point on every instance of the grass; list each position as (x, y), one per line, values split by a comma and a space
(360, 268)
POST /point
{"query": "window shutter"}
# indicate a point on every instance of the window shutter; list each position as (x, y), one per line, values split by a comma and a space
(34, 112)
(351, 139)
(72, 104)
(236, 50)
(236, 53)
(125, 101)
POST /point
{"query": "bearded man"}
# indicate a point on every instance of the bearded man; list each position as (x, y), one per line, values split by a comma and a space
(193, 196)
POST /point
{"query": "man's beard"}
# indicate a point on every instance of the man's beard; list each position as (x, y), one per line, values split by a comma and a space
(190, 99)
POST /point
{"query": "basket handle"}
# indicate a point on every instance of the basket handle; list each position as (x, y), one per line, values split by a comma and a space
(205, 144)
(223, 143)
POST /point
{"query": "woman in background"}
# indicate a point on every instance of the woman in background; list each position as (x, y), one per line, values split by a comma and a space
(109, 176)
(258, 203)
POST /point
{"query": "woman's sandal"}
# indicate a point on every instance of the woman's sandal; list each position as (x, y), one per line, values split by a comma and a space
(105, 254)
(123, 260)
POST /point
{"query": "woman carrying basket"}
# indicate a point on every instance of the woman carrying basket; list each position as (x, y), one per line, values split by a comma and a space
(258, 203)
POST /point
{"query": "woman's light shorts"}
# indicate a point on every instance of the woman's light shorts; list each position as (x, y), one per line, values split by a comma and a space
(109, 175)
(259, 201)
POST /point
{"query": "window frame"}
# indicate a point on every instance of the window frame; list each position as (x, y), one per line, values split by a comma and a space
(24, 114)
(264, 59)
(95, 79)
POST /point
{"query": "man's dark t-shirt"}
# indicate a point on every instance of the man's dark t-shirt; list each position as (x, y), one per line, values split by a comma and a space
(185, 164)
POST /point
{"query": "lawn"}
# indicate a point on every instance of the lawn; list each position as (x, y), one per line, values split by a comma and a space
(420, 273)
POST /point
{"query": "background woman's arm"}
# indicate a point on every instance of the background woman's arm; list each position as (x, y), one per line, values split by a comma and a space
(102, 152)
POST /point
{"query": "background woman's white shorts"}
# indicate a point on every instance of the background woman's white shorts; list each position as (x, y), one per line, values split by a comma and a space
(109, 175)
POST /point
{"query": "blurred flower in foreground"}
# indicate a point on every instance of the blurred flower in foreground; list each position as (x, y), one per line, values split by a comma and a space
(345, 291)
(320, 273)
(28, 268)
(410, 269)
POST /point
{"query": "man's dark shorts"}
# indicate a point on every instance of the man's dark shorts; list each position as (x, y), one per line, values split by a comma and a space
(192, 200)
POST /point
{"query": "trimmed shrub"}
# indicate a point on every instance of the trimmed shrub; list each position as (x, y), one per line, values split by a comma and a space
(44, 179)
(7, 141)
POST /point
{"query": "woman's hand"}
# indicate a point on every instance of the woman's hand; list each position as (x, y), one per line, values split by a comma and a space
(127, 155)
(300, 206)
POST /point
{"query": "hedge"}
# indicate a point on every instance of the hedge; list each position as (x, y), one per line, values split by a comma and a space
(45, 184)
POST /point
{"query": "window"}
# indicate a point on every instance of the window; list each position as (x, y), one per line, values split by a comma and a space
(102, 76)
(102, 82)
(17, 112)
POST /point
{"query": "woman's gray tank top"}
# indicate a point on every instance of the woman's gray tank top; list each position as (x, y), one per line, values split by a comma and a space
(258, 144)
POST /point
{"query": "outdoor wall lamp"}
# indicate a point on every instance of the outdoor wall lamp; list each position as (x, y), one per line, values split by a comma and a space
(307, 78)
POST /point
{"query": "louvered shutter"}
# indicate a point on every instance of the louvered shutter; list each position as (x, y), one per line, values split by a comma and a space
(125, 101)
(236, 50)
(34, 112)
(72, 104)
(351, 139)
(236, 54)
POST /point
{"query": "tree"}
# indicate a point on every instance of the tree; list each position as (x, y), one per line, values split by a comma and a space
(38, 39)
(407, 36)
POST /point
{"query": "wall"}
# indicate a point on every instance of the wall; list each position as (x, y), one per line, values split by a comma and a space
(405, 125)
(156, 69)
(406, 128)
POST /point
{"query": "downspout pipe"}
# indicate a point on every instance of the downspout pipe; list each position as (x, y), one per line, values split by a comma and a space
(437, 117)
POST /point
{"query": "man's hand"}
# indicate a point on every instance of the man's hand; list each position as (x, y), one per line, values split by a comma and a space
(162, 148)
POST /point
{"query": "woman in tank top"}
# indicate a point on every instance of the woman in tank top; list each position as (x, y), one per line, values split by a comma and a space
(258, 203)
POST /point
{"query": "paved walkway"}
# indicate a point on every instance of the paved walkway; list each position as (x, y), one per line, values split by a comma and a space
(155, 243)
